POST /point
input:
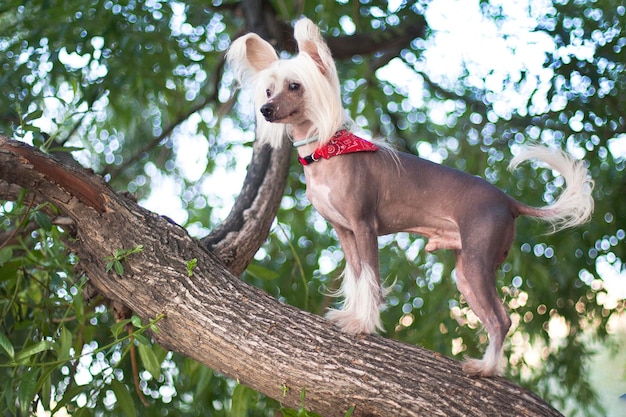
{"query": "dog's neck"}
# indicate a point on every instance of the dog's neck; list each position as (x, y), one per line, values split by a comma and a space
(298, 143)
(299, 135)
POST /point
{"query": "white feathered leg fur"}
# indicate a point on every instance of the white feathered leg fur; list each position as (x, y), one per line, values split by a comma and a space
(363, 299)
(490, 364)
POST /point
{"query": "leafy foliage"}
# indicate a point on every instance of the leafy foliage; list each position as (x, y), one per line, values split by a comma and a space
(137, 91)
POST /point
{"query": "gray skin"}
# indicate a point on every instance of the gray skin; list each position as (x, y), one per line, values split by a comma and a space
(367, 194)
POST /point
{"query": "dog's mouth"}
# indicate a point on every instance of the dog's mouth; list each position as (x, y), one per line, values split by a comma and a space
(275, 118)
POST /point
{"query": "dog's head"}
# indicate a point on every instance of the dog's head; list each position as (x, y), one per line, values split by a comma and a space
(300, 92)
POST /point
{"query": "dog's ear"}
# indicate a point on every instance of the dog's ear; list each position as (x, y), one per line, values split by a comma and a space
(310, 42)
(250, 53)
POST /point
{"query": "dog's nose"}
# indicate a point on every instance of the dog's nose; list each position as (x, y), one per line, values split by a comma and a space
(267, 110)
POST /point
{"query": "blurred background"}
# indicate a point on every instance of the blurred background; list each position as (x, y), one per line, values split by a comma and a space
(138, 92)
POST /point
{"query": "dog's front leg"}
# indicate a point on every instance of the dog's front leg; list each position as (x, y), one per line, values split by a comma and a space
(360, 287)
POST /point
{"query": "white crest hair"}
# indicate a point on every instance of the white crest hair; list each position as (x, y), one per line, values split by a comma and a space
(255, 63)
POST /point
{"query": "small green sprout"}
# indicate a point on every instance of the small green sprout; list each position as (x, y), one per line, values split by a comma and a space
(115, 262)
(191, 264)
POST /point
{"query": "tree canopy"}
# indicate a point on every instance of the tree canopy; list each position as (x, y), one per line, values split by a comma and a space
(138, 93)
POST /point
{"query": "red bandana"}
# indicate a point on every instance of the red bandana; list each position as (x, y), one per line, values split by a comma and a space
(341, 143)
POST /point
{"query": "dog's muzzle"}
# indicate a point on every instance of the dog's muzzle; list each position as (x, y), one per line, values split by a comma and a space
(268, 110)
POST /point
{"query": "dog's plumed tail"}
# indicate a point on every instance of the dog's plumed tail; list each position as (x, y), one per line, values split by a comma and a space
(575, 204)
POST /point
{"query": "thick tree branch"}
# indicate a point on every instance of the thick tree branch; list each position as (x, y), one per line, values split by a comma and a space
(263, 21)
(392, 39)
(242, 233)
(239, 330)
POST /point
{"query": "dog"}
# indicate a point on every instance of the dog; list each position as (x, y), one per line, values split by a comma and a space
(364, 189)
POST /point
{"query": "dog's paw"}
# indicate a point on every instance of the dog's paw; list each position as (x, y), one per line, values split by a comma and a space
(348, 323)
(481, 367)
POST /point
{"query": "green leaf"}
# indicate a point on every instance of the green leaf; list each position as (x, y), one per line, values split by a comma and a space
(83, 412)
(38, 140)
(261, 272)
(7, 346)
(5, 255)
(154, 328)
(42, 220)
(120, 254)
(124, 399)
(289, 412)
(204, 376)
(68, 395)
(119, 268)
(26, 392)
(141, 338)
(136, 321)
(46, 371)
(8, 398)
(149, 360)
(45, 387)
(118, 327)
(64, 343)
(79, 308)
(32, 116)
(160, 353)
(240, 401)
(34, 349)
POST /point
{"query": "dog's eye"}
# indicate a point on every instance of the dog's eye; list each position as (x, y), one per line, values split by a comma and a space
(294, 86)
(268, 93)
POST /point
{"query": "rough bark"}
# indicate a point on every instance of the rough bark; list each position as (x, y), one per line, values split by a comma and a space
(242, 233)
(239, 330)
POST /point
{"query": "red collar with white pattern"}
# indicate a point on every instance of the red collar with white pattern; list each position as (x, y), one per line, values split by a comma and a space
(342, 142)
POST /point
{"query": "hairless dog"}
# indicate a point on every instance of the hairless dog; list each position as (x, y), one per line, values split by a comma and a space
(366, 189)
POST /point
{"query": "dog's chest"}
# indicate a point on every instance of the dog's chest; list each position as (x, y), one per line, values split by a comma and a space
(320, 195)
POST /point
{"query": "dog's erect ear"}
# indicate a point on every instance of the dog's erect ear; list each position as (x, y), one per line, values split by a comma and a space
(310, 42)
(260, 53)
(250, 53)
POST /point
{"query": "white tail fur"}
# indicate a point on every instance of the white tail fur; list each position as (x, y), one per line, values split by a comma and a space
(575, 205)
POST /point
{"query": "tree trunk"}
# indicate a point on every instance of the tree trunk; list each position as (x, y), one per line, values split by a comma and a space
(242, 233)
(217, 319)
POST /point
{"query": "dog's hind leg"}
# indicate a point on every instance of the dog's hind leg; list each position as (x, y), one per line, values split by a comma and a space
(477, 284)
(476, 265)
(360, 286)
